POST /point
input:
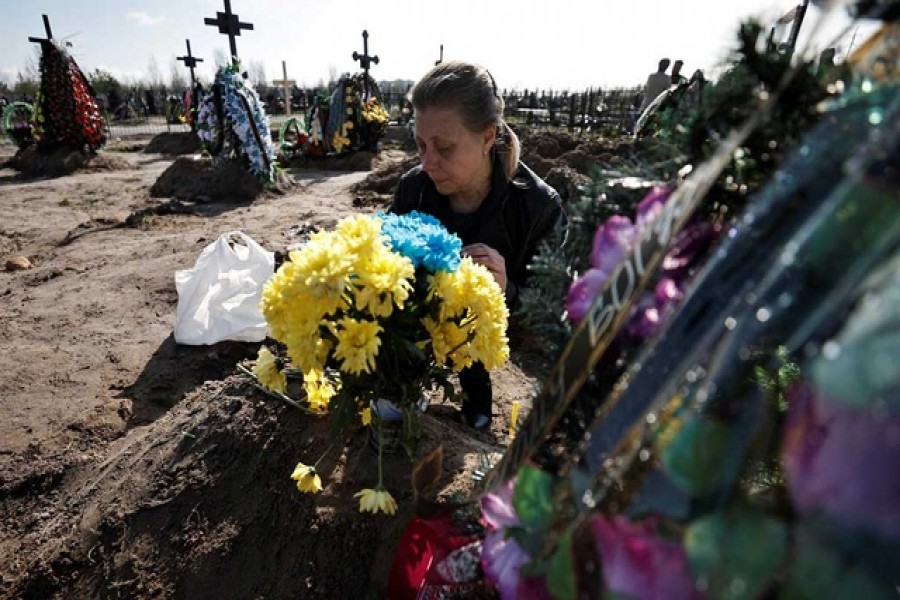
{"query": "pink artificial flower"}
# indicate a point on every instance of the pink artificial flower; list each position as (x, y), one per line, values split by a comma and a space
(843, 461)
(639, 564)
(502, 557)
(497, 508)
(502, 560)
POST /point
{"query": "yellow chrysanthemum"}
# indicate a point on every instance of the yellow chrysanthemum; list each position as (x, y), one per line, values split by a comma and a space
(323, 269)
(374, 500)
(360, 233)
(357, 344)
(306, 347)
(319, 390)
(383, 282)
(267, 371)
(307, 479)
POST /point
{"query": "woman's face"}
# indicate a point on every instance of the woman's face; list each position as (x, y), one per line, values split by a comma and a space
(451, 155)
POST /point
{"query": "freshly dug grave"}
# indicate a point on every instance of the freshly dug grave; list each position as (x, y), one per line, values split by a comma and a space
(175, 143)
(197, 178)
(64, 160)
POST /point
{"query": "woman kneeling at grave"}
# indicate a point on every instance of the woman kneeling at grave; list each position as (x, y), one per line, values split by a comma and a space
(472, 180)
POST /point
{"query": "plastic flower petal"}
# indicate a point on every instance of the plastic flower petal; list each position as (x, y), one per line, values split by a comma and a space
(502, 560)
(651, 206)
(307, 479)
(841, 461)
(611, 241)
(365, 415)
(267, 371)
(497, 507)
(374, 500)
(639, 564)
(583, 292)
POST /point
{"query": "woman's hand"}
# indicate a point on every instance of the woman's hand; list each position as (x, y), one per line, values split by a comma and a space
(491, 259)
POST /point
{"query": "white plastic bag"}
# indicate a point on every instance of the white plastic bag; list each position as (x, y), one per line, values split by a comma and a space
(218, 299)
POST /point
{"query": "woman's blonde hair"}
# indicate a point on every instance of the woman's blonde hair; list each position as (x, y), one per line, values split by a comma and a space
(471, 90)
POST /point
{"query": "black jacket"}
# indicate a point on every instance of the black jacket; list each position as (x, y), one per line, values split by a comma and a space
(513, 219)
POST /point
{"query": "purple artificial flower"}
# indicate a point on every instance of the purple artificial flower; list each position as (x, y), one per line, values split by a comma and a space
(651, 205)
(502, 557)
(639, 564)
(502, 560)
(691, 243)
(497, 508)
(611, 241)
(582, 293)
(843, 461)
(653, 310)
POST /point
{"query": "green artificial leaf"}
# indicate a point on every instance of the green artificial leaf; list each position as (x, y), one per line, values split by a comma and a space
(696, 457)
(817, 572)
(533, 497)
(735, 553)
(560, 577)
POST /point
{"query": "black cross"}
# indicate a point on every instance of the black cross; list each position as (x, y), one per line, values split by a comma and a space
(365, 60)
(228, 24)
(190, 61)
(49, 33)
(441, 59)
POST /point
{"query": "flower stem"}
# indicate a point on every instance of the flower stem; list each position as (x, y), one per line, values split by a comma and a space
(324, 454)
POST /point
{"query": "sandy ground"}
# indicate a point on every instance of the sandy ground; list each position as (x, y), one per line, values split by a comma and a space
(134, 467)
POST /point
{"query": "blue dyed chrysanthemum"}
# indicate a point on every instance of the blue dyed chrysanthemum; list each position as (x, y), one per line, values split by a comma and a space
(423, 239)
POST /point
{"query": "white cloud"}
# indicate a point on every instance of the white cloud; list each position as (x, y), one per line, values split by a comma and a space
(142, 18)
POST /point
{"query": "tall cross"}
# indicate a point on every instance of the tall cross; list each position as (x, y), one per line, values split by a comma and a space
(287, 84)
(228, 24)
(441, 59)
(365, 60)
(190, 61)
(47, 30)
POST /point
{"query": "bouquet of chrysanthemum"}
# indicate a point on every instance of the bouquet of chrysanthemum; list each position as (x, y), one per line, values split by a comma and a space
(379, 309)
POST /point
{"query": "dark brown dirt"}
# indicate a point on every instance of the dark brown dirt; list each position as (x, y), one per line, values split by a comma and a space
(174, 144)
(32, 162)
(197, 178)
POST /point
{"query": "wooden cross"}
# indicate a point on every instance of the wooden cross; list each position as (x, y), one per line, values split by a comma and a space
(287, 84)
(37, 40)
(190, 61)
(228, 24)
(441, 59)
(365, 60)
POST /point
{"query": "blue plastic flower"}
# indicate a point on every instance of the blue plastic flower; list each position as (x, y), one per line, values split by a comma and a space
(422, 239)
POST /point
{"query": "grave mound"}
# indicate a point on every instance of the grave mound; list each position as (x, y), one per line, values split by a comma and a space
(197, 178)
(176, 143)
(64, 160)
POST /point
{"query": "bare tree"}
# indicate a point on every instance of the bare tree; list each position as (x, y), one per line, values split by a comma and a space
(220, 59)
(257, 71)
(154, 75)
(177, 80)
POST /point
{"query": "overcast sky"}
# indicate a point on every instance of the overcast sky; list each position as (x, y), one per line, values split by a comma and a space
(550, 44)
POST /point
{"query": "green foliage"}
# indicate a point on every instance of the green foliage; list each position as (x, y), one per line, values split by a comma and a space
(104, 83)
(560, 575)
(697, 457)
(736, 553)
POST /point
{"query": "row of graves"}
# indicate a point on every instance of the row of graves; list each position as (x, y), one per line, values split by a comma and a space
(227, 121)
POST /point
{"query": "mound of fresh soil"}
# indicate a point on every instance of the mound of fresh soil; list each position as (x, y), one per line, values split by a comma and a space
(199, 504)
(64, 160)
(197, 178)
(174, 144)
